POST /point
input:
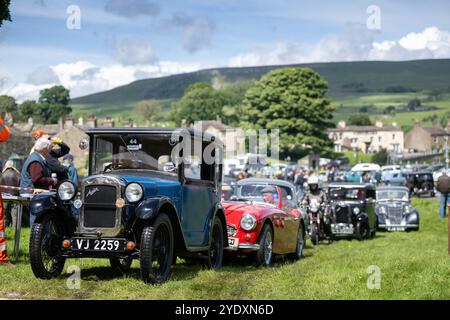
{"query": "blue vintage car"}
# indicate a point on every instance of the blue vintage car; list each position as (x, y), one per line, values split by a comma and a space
(150, 195)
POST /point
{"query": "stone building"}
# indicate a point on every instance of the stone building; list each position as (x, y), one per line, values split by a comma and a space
(367, 138)
(425, 139)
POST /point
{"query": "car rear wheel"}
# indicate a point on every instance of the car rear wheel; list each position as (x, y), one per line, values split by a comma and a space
(264, 256)
(123, 265)
(45, 248)
(362, 231)
(214, 256)
(157, 250)
(300, 244)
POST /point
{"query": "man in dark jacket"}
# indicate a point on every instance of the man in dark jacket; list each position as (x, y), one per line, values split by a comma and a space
(443, 186)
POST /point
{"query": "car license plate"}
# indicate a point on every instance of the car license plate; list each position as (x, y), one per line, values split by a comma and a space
(233, 243)
(104, 245)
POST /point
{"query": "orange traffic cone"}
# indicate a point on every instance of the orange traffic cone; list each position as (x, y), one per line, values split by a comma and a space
(3, 253)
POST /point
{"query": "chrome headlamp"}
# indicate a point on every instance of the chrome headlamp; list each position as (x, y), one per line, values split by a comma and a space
(383, 210)
(356, 210)
(248, 222)
(134, 192)
(66, 191)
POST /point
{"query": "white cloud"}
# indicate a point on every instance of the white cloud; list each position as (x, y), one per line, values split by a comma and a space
(357, 43)
(42, 75)
(84, 77)
(134, 51)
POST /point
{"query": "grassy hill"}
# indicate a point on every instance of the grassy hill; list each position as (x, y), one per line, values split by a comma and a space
(352, 84)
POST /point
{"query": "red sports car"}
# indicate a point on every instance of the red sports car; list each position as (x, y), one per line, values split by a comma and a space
(262, 221)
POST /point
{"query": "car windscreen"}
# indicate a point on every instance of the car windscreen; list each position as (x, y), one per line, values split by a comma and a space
(132, 151)
(342, 193)
(401, 195)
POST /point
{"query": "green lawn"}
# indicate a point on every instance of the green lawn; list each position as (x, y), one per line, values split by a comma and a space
(414, 265)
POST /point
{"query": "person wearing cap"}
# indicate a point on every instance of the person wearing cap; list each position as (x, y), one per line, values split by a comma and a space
(54, 154)
(267, 193)
(71, 170)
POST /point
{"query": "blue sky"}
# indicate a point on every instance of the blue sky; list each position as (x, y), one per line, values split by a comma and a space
(124, 40)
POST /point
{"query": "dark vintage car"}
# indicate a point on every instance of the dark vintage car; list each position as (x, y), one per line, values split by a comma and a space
(394, 210)
(143, 200)
(352, 209)
(420, 183)
(263, 220)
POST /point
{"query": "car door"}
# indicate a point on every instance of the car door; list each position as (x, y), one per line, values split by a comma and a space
(199, 199)
(291, 222)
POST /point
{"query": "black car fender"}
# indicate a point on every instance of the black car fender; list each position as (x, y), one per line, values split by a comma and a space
(362, 217)
(412, 217)
(220, 213)
(47, 203)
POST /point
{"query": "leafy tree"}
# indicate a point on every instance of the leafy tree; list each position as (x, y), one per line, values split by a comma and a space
(233, 95)
(8, 105)
(200, 102)
(27, 109)
(4, 11)
(53, 104)
(293, 101)
(148, 109)
(359, 120)
(413, 104)
(380, 157)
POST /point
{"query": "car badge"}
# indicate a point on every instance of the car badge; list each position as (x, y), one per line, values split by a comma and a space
(92, 191)
(120, 203)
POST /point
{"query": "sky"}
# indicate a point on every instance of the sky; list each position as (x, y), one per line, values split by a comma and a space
(92, 46)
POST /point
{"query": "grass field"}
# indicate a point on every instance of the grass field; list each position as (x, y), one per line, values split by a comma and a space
(414, 265)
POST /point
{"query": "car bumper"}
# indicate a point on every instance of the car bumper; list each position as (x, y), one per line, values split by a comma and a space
(245, 247)
(397, 227)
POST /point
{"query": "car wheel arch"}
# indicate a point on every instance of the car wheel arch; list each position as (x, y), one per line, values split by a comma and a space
(221, 215)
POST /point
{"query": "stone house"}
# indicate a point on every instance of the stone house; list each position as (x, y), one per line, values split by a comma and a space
(425, 139)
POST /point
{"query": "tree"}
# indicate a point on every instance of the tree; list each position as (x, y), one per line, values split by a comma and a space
(200, 102)
(53, 104)
(359, 120)
(380, 157)
(414, 103)
(233, 95)
(293, 101)
(4, 11)
(8, 105)
(27, 109)
(148, 109)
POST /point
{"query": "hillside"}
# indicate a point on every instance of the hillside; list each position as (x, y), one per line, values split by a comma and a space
(344, 78)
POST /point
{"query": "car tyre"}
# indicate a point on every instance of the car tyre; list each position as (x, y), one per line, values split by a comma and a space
(214, 256)
(46, 258)
(362, 231)
(264, 256)
(300, 244)
(157, 250)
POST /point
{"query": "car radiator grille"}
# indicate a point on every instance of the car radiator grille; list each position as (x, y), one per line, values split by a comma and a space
(342, 215)
(394, 214)
(99, 206)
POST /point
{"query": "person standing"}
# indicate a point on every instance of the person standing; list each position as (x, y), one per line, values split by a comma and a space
(443, 186)
(4, 136)
(71, 170)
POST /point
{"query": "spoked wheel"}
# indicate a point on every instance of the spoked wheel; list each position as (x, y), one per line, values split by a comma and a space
(123, 265)
(300, 244)
(264, 256)
(362, 231)
(45, 248)
(157, 250)
(214, 257)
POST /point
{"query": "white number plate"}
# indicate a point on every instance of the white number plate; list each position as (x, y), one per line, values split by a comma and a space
(88, 244)
(233, 243)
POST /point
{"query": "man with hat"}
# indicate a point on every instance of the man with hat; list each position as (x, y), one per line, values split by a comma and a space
(268, 193)
(71, 170)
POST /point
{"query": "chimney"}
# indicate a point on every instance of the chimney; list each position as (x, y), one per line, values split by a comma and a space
(108, 123)
(30, 121)
(341, 124)
(91, 121)
(61, 124)
(218, 119)
(80, 121)
(379, 124)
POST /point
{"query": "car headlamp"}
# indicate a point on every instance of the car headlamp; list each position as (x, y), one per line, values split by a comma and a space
(66, 191)
(248, 222)
(134, 192)
(356, 210)
(383, 210)
(408, 209)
